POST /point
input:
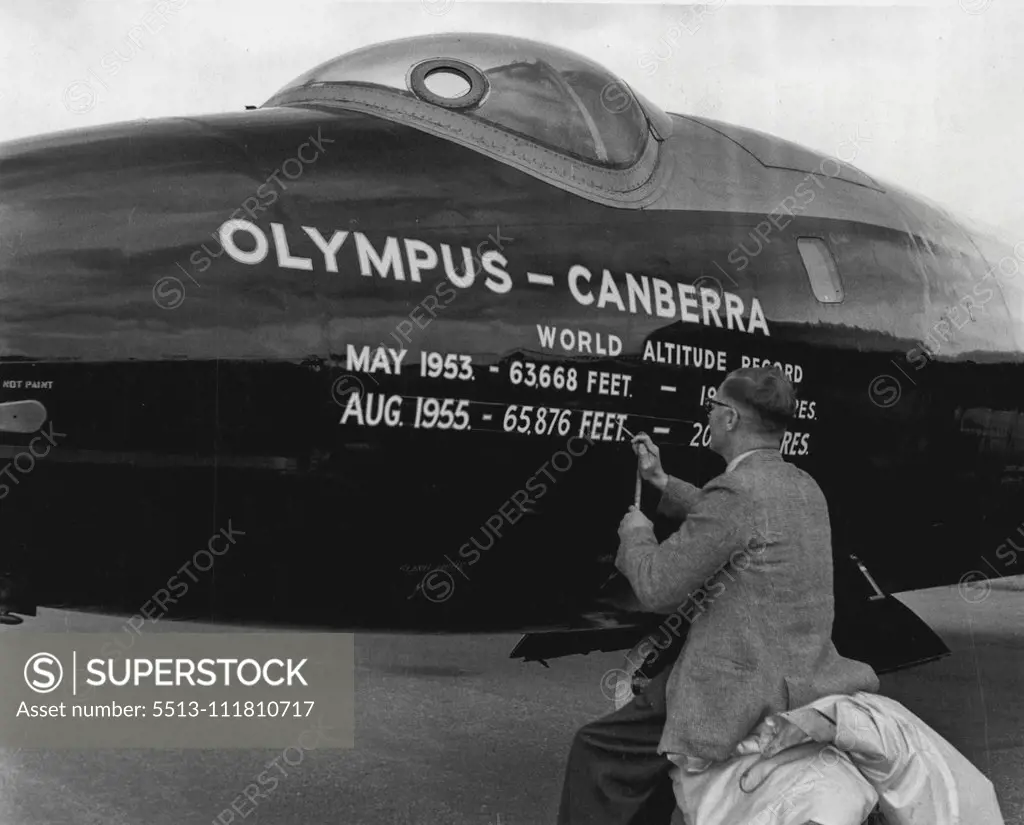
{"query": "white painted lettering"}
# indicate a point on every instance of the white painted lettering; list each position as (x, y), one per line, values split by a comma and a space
(419, 256)
(388, 261)
(575, 273)
(469, 267)
(733, 311)
(498, 280)
(285, 259)
(373, 410)
(609, 293)
(710, 303)
(227, 240)
(688, 303)
(328, 248)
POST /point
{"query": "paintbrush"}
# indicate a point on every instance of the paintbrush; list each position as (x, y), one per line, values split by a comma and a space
(636, 490)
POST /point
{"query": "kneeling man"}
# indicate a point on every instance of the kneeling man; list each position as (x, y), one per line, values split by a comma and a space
(751, 568)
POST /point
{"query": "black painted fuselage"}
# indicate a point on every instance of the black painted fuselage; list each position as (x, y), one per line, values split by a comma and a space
(389, 384)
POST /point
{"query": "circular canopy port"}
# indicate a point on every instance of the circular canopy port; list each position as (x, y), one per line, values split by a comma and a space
(450, 83)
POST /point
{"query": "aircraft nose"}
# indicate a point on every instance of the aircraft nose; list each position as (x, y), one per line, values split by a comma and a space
(96, 227)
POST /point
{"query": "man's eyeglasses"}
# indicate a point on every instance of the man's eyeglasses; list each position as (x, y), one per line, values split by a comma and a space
(711, 403)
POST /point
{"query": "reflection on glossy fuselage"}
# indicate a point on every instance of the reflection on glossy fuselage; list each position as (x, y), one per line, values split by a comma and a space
(406, 380)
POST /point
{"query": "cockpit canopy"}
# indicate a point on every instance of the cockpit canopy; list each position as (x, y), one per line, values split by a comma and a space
(550, 96)
(549, 112)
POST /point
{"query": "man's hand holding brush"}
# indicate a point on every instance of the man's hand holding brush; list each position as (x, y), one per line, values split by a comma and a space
(649, 461)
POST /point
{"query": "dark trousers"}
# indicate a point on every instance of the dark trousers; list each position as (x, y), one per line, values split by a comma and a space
(615, 775)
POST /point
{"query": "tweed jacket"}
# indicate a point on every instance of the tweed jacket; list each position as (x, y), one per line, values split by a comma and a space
(751, 570)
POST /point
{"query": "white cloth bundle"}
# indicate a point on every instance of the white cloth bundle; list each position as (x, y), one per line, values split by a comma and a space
(830, 761)
(819, 784)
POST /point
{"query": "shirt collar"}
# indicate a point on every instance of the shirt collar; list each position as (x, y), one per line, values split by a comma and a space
(732, 464)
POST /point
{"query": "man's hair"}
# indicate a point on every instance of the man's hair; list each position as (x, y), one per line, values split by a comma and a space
(766, 391)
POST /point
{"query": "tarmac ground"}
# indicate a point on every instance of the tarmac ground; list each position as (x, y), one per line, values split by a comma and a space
(451, 731)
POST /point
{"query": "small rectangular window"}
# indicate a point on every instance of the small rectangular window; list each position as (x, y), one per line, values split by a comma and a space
(821, 270)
